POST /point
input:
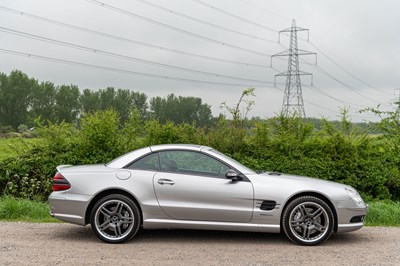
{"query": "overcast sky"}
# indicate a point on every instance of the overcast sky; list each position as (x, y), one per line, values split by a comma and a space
(211, 49)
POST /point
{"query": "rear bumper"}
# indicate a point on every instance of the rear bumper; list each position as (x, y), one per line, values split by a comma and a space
(69, 207)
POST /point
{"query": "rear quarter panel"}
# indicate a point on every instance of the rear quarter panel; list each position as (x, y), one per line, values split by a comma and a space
(90, 181)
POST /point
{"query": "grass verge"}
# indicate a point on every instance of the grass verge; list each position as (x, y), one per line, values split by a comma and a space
(24, 210)
(383, 213)
(380, 213)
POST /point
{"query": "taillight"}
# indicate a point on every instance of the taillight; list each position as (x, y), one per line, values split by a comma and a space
(60, 183)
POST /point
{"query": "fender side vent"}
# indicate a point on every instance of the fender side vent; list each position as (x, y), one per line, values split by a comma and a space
(268, 205)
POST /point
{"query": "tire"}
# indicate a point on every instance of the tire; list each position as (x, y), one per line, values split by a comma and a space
(308, 221)
(115, 218)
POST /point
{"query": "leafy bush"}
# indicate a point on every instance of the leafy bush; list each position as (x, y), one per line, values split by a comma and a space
(22, 128)
(343, 154)
(98, 138)
(30, 175)
(284, 144)
(6, 129)
(157, 133)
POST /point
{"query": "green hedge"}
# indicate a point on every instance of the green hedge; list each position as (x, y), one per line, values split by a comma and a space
(289, 145)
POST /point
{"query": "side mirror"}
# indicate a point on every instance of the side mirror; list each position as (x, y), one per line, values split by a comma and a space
(232, 175)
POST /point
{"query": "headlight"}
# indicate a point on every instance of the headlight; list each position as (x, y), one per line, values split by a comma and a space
(354, 195)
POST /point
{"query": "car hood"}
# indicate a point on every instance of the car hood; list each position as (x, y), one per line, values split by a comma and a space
(274, 184)
(301, 179)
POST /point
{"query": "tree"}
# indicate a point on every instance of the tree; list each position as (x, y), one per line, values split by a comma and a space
(15, 92)
(107, 98)
(67, 103)
(140, 104)
(89, 101)
(180, 110)
(123, 104)
(43, 102)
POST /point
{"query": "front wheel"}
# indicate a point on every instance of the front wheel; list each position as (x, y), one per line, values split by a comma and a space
(307, 220)
(115, 218)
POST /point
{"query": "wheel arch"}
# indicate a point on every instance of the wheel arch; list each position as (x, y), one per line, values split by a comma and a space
(109, 192)
(317, 195)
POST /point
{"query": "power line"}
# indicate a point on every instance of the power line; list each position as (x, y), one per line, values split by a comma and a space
(344, 84)
(70, 26)
(320, 106)
(130, 58)
(264, 9)
(235, 16)
(320, 69)
(122, 71)
(13, 11)
(131, 14)
(171, 11)
(322, 92)
(333, 111)
(345, 70)
(134, 73)
(118, 70)
(153, 46)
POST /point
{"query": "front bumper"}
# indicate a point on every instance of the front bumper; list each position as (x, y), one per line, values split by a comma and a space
(351, 219)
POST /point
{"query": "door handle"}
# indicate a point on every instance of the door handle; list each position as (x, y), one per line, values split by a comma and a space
(165, 182)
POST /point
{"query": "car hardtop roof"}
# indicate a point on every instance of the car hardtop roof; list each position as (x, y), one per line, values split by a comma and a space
(190, 147)
(123, 160)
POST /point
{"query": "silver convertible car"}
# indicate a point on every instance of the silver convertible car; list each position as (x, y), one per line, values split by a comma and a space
(196, 187)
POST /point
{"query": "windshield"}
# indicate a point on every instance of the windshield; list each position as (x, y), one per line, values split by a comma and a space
(233, 162)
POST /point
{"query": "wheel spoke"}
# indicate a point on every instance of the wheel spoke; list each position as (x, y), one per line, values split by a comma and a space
(306, 233)
(303, 210)
(317, 213)
(117, 230)
(119, 208)
(296, 223)
(105, 225)
(106, 212)
(126, 220)
(319, 227)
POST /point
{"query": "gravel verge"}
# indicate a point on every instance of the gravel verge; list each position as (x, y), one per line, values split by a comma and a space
(66, 244)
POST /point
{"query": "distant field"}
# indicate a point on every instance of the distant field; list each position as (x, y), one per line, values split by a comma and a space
(14, 146)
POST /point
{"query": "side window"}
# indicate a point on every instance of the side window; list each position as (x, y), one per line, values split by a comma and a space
(149, 162)
(195, 163)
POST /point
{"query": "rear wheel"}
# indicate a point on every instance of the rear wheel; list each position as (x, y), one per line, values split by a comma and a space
(115, 218)
(308, 220)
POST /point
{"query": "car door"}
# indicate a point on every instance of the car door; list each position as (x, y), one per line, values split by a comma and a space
(192, 186)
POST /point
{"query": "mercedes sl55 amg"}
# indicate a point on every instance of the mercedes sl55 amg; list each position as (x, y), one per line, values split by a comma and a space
(183, 186)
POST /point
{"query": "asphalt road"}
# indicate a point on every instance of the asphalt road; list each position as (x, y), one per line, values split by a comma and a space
(66, 244)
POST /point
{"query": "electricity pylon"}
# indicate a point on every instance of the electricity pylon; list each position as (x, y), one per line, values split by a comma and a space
(293, 97)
